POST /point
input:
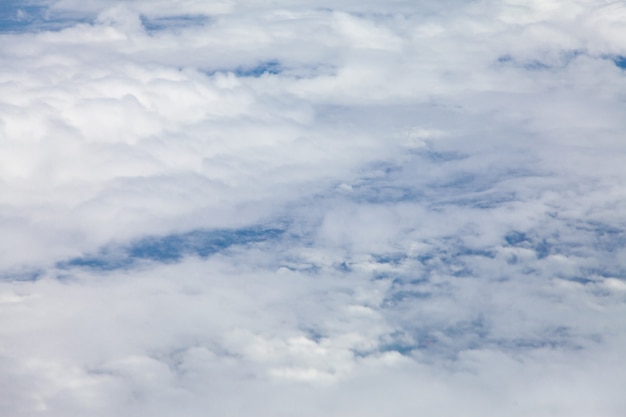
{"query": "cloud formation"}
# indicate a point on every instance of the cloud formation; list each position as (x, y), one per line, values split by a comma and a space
(303, 208)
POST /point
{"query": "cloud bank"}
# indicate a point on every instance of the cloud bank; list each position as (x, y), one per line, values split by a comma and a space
(312, 208)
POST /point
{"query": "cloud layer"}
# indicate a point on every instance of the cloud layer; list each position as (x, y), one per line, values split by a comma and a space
(303, 208)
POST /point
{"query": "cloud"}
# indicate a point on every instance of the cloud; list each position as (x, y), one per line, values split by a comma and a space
(340, 208)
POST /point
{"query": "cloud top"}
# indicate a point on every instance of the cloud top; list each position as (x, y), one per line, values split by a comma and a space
(303, 208)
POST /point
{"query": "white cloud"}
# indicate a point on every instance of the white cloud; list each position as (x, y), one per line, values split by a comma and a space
(447, 177)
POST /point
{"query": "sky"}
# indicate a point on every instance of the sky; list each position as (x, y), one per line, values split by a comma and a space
(305, 208)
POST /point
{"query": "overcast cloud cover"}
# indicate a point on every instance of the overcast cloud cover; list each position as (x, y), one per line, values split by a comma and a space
(312, 208)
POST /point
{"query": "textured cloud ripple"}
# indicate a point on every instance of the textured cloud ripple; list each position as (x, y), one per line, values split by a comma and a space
(349, 208)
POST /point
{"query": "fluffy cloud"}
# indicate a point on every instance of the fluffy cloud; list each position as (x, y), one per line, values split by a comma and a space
(341, 208)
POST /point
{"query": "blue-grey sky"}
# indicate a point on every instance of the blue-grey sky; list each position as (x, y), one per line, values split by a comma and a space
(347, 208)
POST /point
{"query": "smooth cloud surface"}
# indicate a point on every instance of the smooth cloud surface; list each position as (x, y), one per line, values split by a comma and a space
(312, 208)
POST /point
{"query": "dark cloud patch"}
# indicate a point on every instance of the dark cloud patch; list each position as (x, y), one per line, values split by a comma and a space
(155, 24)
(172, 248)
(22, 275)
(20, 16)
(256, 70)
(271, 67)
(620, 61)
